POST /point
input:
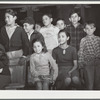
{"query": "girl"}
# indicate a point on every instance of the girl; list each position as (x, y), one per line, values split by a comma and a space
(15, 42)
(39, 65)
(66, 58)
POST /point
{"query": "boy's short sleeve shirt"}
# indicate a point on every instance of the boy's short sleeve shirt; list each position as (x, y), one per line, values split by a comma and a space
(50, 36)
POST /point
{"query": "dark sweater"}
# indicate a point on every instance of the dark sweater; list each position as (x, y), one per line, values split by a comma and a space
(18, 40)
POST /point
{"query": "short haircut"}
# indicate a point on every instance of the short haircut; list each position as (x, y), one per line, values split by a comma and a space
(58, 19)
(42, 43)
(90, 22)
(73, 12)
(11, 12)
(67, 34)
(48, 14)
(39, 23)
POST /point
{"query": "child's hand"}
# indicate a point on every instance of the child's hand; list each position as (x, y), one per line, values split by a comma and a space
(69, 73)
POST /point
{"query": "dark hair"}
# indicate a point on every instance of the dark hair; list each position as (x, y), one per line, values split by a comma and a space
(42, 43)
(89, 22)
(73, 12)
(67, 34)
(39, 23)
(48, 14)
(11, 12)
(60, 19)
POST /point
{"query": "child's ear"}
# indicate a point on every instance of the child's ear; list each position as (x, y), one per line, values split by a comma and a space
(51, 19)
(67, 38)
(84, 30)
(94, 28)
(15, 17)
(79, 18)
(70, 19)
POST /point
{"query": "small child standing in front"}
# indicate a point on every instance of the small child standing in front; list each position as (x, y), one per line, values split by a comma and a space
(39, 66)
(89, 56)
(66, 58)
(60, 23)
(50, 32)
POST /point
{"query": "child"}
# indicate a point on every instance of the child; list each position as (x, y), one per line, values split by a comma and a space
(4, 68)
(50, 32)
(61, 24)
(39, 66)
(66, 58)
(38, 26)
(75, 29)
(32, 34)
(89, 56)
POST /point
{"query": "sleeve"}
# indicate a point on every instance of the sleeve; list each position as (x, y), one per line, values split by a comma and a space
(74, 54)
(54, 66)
(81, 54)
(54, 54)
(32, 67)
(25, 43)
(4, 61)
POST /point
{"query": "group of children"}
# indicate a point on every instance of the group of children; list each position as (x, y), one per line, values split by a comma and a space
(61, 54)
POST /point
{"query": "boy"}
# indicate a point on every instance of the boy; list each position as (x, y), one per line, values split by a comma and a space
(89, 55)
(50, 32)
(32, 34)
(38, 26)
(60, 23)
(75, 29)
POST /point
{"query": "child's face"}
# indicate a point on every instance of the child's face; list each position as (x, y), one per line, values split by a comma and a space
(62, 38)
(89, 29)
(37, 27)
(37, 46)
(46, 20)
(74, 19)
(9, 19)
(60, 24)
(27, 27)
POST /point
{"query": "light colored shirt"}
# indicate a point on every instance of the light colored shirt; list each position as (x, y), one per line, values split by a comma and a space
(39, 65)
(50, 35)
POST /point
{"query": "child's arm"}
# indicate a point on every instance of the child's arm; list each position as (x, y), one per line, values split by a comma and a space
(32, 68)
(54, 67)
(74, 68)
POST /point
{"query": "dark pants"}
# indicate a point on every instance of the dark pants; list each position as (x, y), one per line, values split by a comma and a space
(4, 81)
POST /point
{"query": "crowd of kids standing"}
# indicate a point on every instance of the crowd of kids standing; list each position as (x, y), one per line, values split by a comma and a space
(65, 55)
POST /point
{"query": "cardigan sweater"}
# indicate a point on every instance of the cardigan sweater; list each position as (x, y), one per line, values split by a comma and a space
(18, 40)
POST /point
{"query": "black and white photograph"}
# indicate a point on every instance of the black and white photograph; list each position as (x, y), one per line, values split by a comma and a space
(50, 46)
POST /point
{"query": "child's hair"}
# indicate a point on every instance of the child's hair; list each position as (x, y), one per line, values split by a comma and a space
(48, 14)
(60, 19)
(90, 22)
(42, 43)
(67, 34)
(11, 12)
(39, 23)
(73, 12)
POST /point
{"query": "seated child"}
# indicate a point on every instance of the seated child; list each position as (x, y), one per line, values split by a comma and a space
(39, 66)
(66, 58)
(4, 68)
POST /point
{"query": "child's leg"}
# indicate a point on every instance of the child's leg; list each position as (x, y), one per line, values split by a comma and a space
(90, 75)
(38, 85)
(45, 85)
(67, 81)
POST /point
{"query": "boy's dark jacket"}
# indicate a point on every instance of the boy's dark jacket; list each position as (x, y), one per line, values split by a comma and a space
(4, 62)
